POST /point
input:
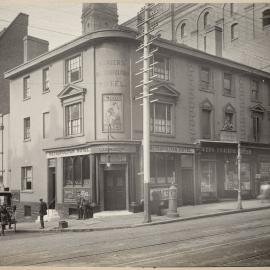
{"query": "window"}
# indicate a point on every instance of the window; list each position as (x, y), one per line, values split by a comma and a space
(161, 118)
(46, 124)
(254, 90)
(77, 171)
(73, 120)
(162, 168)
(234, 31)
(227, 91)
(204, 43)
(45, 80)
(162, 67)
(73, 69)
(206, 127)
(232, 9)
(266, 18)
(205, 77)
(26, 87)
(27, 178)
(208, 178)
(26, 128)
(183, 30)
(27, 211)
(205, 19)
(256, 124)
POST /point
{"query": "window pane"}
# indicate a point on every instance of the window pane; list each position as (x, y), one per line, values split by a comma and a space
(73, 119)
(206, 127)
(26, 88)
(77, 171)
(208, 177)
(161, 68)
(73, 67)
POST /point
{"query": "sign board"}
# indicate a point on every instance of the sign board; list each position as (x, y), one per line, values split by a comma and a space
(228, 136)
(163, 193)
(72, 195)
(172, 149)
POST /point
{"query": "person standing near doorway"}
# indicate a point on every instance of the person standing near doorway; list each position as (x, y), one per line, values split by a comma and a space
(42, 212)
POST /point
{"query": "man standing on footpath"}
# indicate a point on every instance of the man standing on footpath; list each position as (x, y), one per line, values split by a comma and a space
(42, 212)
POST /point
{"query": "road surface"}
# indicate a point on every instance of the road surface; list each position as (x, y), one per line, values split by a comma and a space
(231, 240)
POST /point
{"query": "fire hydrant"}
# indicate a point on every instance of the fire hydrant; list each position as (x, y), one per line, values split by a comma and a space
(172, 211)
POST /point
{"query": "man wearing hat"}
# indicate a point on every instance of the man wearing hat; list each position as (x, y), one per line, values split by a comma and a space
(42, 212)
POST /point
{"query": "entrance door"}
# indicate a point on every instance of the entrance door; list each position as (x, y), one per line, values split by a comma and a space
(51, 188)
(188, 187)
(114, 190)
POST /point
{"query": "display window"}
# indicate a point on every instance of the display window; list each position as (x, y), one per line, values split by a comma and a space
(231, 176)
(208, 177)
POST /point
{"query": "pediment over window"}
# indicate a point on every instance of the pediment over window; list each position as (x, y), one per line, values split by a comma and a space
(257, 108)
(71, 90)
(164, 89)
(206, 105)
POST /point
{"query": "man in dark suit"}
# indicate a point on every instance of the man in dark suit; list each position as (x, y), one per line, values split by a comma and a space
(42, 212)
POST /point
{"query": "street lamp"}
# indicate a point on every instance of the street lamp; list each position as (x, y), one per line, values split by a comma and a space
(239, 198)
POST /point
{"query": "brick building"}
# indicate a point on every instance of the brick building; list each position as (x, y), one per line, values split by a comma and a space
(76, 129)
(237, 31)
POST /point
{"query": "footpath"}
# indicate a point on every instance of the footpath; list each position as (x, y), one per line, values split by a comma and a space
(109, 220)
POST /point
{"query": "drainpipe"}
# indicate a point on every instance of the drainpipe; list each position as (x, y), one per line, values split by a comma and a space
(2, 148)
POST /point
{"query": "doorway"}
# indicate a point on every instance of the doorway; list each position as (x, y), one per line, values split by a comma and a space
(188, 187)
(114, 190)
(51, 188)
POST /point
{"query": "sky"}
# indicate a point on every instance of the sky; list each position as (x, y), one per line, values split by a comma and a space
(57, 21)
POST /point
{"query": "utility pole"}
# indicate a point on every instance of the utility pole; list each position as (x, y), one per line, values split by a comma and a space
(145, 83)
(239, 198)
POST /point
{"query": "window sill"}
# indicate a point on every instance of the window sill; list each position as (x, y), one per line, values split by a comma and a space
(27, 140)
(27, 191)
(79, 80)
(162, 135)
(70, 136)
(46, 91)
(27, 98)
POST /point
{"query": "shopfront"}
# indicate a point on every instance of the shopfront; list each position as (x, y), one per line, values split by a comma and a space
(218, 171)
(173, 163)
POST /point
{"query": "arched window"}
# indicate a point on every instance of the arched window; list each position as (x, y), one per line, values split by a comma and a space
(205, 19)
(266, 17)
(77, 171)
(183, 30)
(234, 31)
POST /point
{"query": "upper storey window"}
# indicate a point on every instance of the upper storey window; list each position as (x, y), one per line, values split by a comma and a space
(45, 80)
(183, 30)
(266, 18)
(234, 31)
(228, 85)
(205, 20)
(74, 69)
(26, 87)
(73, 119)
(162, 67)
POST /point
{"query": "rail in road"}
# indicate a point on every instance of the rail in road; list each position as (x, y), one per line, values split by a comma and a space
(219, 243)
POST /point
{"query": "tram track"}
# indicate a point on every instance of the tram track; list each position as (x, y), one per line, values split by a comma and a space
(162, 243)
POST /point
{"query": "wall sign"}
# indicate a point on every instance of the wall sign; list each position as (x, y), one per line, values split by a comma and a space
(72, 195)
(171, 149)
(112, 112)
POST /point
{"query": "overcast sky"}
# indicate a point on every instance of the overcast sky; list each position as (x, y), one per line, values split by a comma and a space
(57, 21)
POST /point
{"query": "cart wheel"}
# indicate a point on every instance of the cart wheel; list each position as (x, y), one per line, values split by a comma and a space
(14, 226)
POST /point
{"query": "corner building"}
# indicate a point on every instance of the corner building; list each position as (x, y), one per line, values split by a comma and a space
(76, 128)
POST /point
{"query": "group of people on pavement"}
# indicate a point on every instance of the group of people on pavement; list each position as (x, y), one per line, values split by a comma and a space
(85, 210)
(5, 218)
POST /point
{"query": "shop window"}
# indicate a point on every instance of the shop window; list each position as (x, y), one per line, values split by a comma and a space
(26, 128)
(245, 176)
(229, 118)
(227, 85)
(26, 87)
(266, 18)
(45, 80)
(73, 119)
(73, 69)
(231, 175)
(162, 168)
(254, 90)
(27, 179)
(161, 118)
(234, 31)
(161, 67)
(208, 177)
(27, 211)
(76, 171)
